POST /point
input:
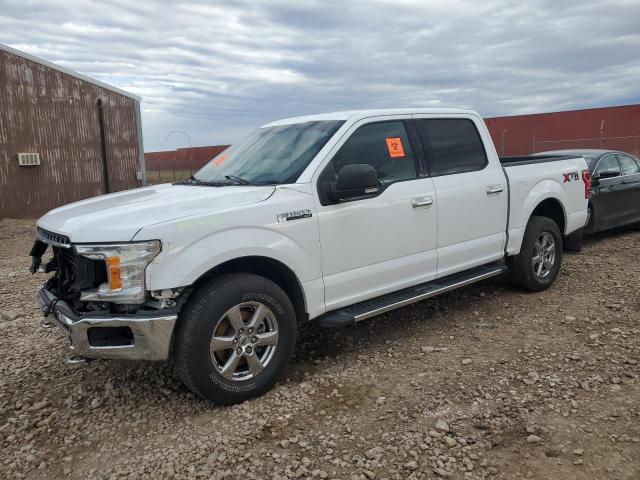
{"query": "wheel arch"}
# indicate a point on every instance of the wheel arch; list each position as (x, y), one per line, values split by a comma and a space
(267, 267)
(552, 208)
(545, 205)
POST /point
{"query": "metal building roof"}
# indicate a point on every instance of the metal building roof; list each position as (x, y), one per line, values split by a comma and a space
(66, 71)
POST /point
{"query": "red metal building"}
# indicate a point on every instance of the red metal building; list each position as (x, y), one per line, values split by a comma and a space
(616, 128)
(178, 164)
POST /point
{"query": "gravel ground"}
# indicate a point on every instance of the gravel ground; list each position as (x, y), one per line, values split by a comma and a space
(482, 382)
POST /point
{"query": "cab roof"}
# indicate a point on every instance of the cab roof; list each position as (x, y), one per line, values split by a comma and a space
(355, 115)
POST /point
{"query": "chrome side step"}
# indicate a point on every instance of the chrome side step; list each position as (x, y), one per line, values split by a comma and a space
(376, 306)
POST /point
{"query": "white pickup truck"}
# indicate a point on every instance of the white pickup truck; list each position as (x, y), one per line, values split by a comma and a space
(334, 218)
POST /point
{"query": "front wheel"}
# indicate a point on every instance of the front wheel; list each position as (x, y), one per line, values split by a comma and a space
(234, 338)
(537, 265)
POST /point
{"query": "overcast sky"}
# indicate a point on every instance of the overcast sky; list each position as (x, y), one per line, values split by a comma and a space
(218, 69)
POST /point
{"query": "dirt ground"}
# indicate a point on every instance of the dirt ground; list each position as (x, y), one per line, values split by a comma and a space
(482, 382)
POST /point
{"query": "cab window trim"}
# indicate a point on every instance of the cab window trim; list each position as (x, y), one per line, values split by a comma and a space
(415, 141)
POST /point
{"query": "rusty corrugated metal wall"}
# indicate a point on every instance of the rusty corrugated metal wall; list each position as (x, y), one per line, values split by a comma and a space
(52, 113)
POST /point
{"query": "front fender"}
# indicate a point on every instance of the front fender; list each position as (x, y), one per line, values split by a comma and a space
(182, 264)
(194, 245)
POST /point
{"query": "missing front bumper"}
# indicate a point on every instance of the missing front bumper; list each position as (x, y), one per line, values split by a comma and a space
(128, 337)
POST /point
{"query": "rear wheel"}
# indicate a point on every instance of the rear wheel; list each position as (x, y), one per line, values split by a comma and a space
(235, 337)
(537, 265)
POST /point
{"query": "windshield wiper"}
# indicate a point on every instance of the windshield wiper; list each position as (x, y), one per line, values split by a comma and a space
(240, 180)
(231, 180)
(201, 183)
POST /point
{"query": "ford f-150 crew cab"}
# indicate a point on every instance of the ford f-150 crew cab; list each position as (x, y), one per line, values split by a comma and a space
(334, 218)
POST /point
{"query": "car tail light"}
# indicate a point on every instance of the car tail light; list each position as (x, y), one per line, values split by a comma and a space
(586, 178)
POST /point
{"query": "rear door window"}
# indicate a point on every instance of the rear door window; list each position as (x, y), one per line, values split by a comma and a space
(628, 165)
(608, 163)
(453, 145)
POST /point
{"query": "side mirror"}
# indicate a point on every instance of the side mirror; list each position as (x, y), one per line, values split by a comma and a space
(352, 181)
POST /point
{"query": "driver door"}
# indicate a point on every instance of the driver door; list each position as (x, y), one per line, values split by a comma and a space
(384, 241)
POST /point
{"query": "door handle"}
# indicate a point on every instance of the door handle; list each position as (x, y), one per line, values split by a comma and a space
(422, 202)
(494, 189)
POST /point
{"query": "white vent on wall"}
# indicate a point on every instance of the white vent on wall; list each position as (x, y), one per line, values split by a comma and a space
(28, 159)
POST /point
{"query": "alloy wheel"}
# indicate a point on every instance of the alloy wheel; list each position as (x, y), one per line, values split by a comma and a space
(244, 341)
(544, 255)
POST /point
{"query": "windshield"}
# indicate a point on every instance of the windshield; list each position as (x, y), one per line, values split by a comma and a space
(270, 155)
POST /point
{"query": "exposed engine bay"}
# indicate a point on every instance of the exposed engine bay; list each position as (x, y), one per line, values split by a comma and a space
(75, 274)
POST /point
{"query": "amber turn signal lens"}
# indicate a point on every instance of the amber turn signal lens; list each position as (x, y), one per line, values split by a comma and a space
(113, 265)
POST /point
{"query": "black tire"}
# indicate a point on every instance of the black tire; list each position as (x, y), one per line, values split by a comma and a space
(521, 268)
(204, 311)
(573, 242)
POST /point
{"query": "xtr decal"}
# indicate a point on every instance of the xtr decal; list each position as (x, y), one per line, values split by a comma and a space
(571, 176)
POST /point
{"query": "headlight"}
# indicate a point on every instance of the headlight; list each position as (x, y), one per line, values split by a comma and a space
(125, 264)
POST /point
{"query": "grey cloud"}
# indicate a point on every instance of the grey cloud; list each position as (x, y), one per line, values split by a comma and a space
(218, 69)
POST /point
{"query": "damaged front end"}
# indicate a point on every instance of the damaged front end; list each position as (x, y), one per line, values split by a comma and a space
(97, 298)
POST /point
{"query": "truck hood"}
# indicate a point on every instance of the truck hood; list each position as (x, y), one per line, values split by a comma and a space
(118, 216)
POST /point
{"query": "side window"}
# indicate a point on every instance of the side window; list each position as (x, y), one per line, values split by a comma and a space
(453, 145)
(608, 164)
(384, 145)
(628, 165)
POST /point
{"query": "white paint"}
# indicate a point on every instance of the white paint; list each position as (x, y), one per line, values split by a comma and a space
(343, 253)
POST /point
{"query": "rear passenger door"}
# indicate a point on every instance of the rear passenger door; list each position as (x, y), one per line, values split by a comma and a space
(471, 193)
(630, 187)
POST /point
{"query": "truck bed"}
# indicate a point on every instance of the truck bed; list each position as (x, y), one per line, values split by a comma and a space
(535, 178)
(531, 159)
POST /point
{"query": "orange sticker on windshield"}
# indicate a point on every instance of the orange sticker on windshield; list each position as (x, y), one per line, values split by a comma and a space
(218, 161)
(394, 145)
